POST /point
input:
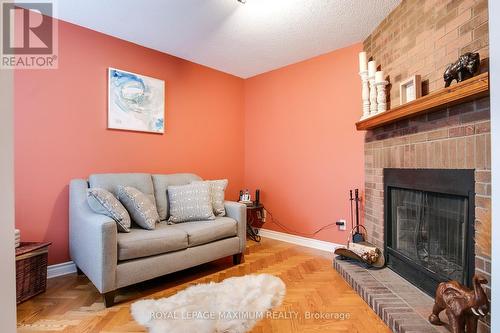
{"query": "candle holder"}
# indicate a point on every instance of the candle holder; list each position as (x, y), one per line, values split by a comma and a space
(365, 94)
(381, 96)
(373, 96)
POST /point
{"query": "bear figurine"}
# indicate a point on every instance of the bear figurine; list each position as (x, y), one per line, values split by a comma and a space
(464, 68)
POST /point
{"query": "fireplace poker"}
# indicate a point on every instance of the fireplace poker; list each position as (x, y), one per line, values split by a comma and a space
(357, 236)
(351, 199)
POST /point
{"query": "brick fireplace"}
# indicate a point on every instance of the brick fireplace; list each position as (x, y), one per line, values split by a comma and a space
(452, 138)
(421, 37)
(455, 138)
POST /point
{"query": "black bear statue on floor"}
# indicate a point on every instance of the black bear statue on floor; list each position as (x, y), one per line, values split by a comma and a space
(464, 68)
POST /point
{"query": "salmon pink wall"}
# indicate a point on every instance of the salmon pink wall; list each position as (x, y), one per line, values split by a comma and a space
(60, 128)
(301, 146)
(289, 132)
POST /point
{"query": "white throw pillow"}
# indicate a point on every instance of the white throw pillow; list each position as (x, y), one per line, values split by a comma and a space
(190, 203)
(217, 189)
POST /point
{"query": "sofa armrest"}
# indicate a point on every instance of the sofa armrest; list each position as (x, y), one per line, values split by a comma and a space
(92, 239)
(238, 211)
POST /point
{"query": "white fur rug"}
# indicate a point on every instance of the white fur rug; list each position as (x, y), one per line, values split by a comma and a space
(231, 306)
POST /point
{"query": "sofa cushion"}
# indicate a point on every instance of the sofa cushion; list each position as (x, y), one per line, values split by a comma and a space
(104, 202)
(140, 207)
(190, 203)
(217, 189)
(161, 182)
(111, 181)
(202, 232)
(144, 243)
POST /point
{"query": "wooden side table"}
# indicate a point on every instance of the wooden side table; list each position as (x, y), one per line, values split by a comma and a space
(255, 216)
(31, 269)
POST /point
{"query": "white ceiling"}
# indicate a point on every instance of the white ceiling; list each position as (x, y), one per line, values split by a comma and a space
(240, 39)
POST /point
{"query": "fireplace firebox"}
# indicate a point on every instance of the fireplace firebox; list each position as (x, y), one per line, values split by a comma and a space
(429, 225)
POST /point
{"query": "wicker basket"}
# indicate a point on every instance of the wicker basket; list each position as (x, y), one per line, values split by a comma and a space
(31, 270)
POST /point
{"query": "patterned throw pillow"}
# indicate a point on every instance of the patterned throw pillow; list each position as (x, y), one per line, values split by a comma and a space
(140, 207)
(190, 203)
(104, 202)
(217, 189)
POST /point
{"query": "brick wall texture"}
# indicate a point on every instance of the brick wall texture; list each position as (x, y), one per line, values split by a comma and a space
(455, 137)
(423, 36)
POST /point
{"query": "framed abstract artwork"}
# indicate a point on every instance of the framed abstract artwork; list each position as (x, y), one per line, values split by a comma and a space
(135, 102)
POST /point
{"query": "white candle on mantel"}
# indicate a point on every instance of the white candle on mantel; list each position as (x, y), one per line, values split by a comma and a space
(362, 62)
(372, 68)
(379, 76)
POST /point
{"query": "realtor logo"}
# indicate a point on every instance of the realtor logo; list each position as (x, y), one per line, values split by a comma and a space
(29, 39)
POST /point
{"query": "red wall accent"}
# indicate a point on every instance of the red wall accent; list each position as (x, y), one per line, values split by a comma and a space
(301, 146)
(60, 127)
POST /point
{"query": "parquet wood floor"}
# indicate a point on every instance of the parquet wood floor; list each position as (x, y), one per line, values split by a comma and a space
(72, 304)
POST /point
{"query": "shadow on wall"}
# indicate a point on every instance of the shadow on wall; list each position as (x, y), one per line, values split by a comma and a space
(58, 227)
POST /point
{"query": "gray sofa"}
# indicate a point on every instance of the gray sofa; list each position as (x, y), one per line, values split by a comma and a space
(113, 260)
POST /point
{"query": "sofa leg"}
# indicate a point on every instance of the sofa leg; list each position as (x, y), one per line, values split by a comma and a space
(109, 298)
(237, 259)
(79, 271)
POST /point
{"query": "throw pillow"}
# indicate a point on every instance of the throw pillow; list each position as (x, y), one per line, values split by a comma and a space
(217, 189)
(104, 202)
(190, 203)
(140, 207)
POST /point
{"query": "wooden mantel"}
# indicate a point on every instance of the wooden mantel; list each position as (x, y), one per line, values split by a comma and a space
(473, 88)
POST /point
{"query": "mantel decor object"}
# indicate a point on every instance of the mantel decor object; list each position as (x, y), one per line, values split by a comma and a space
(464, 68)
(470, 89)
(373, 85)
(365, 94)
(410, 89)
(372, 68)
(463, 306)
(380, 84)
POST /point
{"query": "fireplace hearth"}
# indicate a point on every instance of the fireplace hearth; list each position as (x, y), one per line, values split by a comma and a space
(429, 225)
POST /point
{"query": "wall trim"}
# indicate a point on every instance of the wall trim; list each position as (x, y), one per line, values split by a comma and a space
(61, 269)
(299, 240)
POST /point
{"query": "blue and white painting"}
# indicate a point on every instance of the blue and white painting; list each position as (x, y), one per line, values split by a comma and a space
(135, 102)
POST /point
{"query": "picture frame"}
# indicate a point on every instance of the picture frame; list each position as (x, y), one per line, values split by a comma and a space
(410, 89)
(135, 102)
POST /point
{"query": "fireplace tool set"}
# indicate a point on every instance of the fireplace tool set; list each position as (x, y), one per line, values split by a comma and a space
(357, 247)
(357, 236)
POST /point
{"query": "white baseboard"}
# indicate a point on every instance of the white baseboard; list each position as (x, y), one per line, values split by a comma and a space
(61, 269)
(69, 267)
(299, 240)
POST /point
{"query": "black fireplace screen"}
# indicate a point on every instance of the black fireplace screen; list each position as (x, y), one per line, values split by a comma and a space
(429, 228)
(429, 216)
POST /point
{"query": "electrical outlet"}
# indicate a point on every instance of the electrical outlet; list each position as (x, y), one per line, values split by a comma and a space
(342, 224)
